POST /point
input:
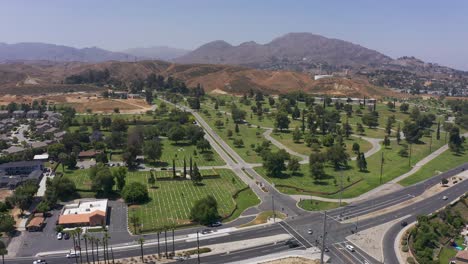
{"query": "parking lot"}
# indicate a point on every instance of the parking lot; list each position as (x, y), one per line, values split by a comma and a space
(35, 242)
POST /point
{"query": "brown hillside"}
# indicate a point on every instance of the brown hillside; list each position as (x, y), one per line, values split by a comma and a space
(49, 78)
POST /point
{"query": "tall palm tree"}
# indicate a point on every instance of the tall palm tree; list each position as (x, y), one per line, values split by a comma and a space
(85, 237)
(159, 248)
(141, 241)
(97, 249)
(91, 239)
(106, 247)
(79, 231)
(73, 234)
(173, 226)
(112, 253)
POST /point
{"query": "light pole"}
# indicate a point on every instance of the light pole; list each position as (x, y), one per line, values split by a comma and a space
(273, 207)
(381, 168)
(198, 249)
(323, 237)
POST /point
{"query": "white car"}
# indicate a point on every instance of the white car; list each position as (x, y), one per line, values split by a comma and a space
(350, 248)
(310, 231)
(59, 236)
(444, 198)
(73, 255)
(40, 261)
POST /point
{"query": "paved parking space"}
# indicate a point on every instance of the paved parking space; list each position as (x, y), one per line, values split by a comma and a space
(34, 242)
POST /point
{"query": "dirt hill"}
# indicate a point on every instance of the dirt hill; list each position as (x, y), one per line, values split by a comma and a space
(48, 77)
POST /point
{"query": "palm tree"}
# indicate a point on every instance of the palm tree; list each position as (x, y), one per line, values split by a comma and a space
(85, 237)
(3, 251)
(141, 241)
(173, 226)
(97, 248)
(92, 239)
(79, 231)
(105, 240)
(73, 234)
(159, 248)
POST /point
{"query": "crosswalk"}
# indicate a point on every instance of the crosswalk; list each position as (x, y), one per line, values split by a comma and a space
(350, 211)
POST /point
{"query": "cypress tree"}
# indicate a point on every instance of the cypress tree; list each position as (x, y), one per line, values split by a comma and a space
(173, 168)
(438, 131)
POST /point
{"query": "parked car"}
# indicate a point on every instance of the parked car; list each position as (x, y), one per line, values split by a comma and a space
(289, 241)
(326, 249)
(40, 261)
(66, 236)
(73, 255)
(59, 236)
(350, 248)
(404, 223)
(310, 232)
(444, 197)
(216, 224)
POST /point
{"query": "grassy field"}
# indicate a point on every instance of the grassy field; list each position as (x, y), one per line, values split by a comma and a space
(394, 166)
(313, 205)
(444, 162)
(179, 151)
(172, 200)
(300, 147)
(251, 136)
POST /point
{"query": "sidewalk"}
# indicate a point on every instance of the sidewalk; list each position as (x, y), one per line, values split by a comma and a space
(310, 253)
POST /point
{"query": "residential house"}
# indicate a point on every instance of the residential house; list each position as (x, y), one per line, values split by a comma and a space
(11, 179)
(13, 150)
(21, 167)
(36, 223)
(32, 114)
(88, 154)
(18, 114)
(462, 257)
(4, 114)
(41, 129)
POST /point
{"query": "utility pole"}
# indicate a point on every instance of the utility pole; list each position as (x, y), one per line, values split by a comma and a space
(323, 236)
(381, 167)
(273, 207)
(198, 249)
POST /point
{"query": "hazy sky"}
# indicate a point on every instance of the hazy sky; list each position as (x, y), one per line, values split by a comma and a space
(434, 30)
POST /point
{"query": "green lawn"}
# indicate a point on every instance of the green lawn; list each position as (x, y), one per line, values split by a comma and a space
(313, 205)
(300, 147)
(172, 200)
(179, 151)
(251, 136)
(446, 254)
(444, 162)
(394, 166)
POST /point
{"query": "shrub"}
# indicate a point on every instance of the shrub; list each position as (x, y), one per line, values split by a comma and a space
(135, 192)
(405, 248)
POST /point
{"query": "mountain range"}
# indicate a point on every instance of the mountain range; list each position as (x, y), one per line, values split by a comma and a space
(292, 51)
(33, 51)
(286, 63)
(157, 52)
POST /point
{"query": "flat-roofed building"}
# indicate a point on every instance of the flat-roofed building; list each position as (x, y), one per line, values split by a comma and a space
(84, 213)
